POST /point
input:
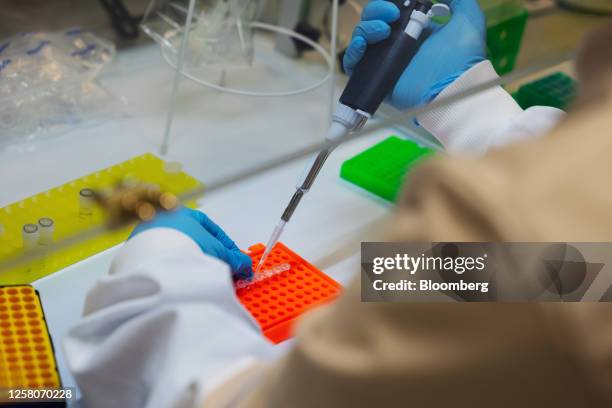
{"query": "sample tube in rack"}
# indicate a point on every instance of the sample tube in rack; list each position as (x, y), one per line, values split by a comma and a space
(86, 203)
(46, 227)
(30, 236)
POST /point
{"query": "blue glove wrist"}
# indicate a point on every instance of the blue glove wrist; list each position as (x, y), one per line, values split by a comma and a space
(204, 232)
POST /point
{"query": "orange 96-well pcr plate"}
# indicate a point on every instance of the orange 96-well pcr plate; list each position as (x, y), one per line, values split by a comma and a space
(276, 302)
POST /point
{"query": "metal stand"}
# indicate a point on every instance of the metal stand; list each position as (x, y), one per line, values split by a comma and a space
(177, 78)
(222, 81)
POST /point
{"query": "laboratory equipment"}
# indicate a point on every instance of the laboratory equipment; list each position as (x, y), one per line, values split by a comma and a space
(276, 302)
(557, 90)
(258, 277)
(372, 80)
(69, 209)
(381, 168)
(30, 236)
(219, 47)
(27, 359)
(210, 42)
(86, 203)
(506, 22)
(47, 228)
(219, 33)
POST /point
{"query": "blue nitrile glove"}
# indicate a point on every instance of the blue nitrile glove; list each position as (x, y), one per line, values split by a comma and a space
(208, 235)
(449, 51)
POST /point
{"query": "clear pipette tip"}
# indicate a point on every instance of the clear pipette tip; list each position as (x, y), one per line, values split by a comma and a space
(278, 230)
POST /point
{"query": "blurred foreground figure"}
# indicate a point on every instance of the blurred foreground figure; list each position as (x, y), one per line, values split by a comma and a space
(164, 329)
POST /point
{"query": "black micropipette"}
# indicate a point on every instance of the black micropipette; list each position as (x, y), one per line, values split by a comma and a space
(372, 80)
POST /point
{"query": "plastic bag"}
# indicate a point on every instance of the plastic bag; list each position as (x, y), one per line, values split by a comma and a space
(47, 82)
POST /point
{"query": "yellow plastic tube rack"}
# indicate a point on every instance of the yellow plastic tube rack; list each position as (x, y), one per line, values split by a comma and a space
(68, 209)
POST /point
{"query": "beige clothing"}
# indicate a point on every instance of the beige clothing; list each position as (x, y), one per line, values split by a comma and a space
(354, 354)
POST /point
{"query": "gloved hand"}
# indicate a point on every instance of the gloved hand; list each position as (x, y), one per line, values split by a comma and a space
(449, 51)
(208, 235)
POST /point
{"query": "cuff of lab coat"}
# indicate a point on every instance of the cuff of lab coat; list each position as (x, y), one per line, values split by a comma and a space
(467, 125)
(164, 266)
(156, 241)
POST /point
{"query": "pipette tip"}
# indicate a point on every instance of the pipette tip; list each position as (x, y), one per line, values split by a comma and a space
(259, 265)
(278, 230)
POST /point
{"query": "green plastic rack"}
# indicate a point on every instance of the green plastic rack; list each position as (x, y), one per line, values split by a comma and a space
(557, 90)
(381, 168)
(506, 23)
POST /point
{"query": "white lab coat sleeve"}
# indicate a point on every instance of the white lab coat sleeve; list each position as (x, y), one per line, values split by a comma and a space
(486, 120)
(162, 328)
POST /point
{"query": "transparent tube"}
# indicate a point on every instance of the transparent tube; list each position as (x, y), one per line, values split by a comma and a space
(258, 277)
(46, 227)
(86, 203)
(30, 236)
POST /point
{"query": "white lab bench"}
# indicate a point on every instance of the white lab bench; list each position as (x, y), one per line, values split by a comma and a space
(215, 135)
(332, 217)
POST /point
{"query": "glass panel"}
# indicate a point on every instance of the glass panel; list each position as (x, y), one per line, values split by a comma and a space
(226, 134)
